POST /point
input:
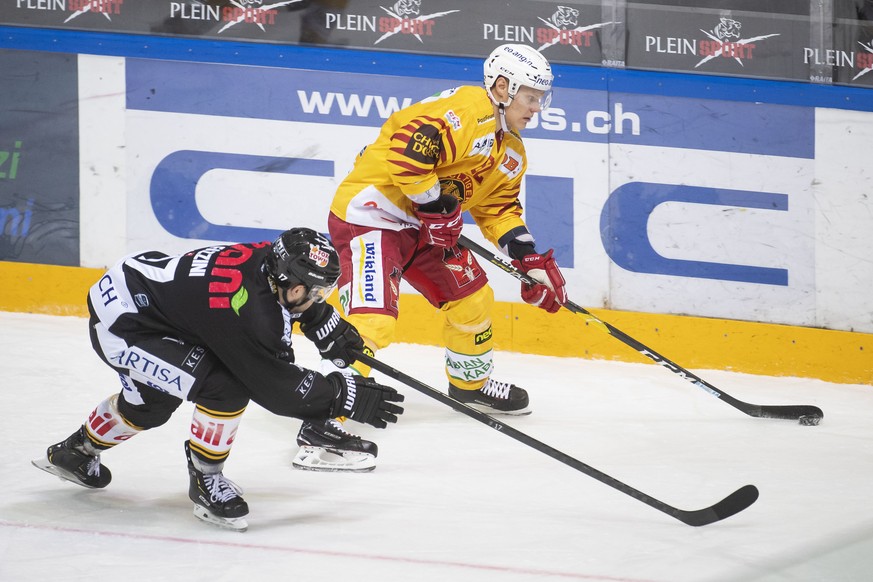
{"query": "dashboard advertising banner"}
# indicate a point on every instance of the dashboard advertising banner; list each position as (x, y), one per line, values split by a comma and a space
(39, 158)
(716, 42)
(777, 39)
(851, 61)
(570, 33)
(695, 212)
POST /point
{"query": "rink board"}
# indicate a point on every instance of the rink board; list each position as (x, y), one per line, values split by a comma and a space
(691, 342)
(737, 209)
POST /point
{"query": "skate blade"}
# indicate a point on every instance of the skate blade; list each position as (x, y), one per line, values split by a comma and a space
(318, 459)
(46, 466)
(232, 523)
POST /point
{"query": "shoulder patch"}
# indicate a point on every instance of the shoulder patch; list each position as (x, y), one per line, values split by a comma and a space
(424, 145)
(453, 119)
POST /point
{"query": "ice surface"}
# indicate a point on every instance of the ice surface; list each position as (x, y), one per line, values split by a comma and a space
(451, 499)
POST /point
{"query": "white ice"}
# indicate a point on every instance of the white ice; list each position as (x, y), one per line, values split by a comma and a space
(451, 499)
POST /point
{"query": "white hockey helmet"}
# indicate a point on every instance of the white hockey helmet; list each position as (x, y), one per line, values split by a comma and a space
(521, 65)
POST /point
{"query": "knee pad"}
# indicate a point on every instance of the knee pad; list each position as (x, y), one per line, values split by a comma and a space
(145, 407)
(468, 338)
(146, 418)
(377, 329)
(472, 314)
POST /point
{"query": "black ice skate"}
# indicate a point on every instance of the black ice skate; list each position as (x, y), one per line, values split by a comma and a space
(217, 499)
(328, 446)
(71, 461)
(494, 397)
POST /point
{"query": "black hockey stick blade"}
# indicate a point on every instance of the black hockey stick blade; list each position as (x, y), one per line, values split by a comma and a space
(806, 414)
(730, 505)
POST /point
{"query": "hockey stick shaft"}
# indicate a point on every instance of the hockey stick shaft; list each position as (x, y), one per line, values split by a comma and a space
(784, 412)
(730, 505)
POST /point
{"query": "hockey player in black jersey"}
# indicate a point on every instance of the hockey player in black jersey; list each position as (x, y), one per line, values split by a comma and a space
(213, 326)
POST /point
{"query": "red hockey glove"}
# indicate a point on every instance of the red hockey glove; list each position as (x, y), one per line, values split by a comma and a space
(550, 292)
(541, 296)
(441, 221)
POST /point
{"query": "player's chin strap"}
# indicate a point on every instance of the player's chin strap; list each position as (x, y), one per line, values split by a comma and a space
(501, 114)
(733, 503)
(501, 109)
(806, 414)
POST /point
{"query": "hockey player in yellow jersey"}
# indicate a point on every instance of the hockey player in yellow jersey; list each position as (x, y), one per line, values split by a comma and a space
(397, 215)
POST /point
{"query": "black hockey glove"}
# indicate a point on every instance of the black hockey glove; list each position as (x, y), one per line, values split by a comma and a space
(335, 338)
(364, 400)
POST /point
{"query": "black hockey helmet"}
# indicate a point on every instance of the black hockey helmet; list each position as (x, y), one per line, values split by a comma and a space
(301, 256)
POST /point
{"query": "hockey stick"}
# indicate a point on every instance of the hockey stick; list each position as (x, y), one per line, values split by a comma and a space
(806, 414)
(733, 503)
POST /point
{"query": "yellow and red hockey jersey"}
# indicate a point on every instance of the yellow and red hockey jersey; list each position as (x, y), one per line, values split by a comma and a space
(451, 138)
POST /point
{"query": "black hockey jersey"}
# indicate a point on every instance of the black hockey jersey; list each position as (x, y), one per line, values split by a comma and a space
(220, 298)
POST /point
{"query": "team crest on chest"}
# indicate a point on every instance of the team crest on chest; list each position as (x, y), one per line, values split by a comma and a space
(459, 186)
